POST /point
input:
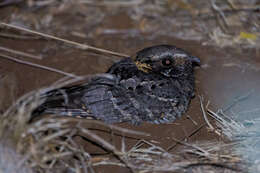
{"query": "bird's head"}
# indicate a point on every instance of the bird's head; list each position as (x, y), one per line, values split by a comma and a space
(166, 60)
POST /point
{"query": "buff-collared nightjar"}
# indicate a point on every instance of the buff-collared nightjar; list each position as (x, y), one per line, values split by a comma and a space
(156, 87)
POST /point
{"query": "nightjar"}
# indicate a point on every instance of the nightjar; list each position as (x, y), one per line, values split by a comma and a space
(156, 87)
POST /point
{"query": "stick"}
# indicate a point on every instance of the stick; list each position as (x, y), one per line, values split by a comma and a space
(38, 66)
(205, 116)
(221, 13)
(193, 121)
(81, 46)
(191, 134)
(206, 153)
(20, 53)
(21, 37)
(114, 3)
(204, 113)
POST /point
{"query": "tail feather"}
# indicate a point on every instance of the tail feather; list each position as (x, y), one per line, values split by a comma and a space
(60, 102)
(94, 99)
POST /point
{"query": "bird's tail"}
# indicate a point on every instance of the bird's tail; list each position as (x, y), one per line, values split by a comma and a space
(70, 101)
(62, 102)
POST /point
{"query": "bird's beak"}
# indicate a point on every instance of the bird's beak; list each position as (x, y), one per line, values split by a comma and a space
(195, 60)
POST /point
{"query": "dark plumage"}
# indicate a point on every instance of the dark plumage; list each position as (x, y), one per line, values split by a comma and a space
(156, 87)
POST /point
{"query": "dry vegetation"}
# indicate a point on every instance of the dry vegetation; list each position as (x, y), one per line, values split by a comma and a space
(50, 144)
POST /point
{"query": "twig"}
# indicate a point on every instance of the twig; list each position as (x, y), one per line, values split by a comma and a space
(205, 116)
(113, 3)
(228, 126)
(206, 153)
(220, 165)
(38, 66)
(107, 145)
(231, 4)
(235, 9)
(55, 135)
(21, 37)
(34, 96)
(191, 134)
(78, 45)
(193, 121)
(204, 113)
(101, 141)
(120, 129)
(20, 53)
(221, 13)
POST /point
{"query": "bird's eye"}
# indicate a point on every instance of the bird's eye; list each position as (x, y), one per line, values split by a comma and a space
(166, 62)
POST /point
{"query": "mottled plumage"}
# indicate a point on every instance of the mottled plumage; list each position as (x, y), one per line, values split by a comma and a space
(155, 87)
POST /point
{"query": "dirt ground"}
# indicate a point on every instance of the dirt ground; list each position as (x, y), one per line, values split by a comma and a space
(228, 76)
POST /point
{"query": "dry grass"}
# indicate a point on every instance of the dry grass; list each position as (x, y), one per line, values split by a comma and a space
(246, 135)
(50, 145)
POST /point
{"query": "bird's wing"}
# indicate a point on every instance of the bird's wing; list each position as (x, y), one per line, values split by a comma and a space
(110, 101)
(102, 98)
